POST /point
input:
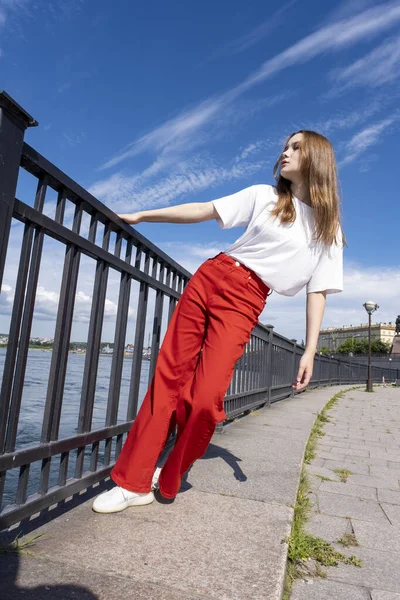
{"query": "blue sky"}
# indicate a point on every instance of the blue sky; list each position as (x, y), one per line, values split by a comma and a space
(150, 105)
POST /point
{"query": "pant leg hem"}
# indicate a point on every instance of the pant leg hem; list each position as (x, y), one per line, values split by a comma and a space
(121, 483)
(169, 496)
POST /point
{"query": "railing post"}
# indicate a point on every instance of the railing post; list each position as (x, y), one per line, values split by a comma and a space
(294, 374)
(13, 122)
(268, 366)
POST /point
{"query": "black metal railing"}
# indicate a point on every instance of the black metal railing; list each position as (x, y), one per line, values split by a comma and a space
(38, 474)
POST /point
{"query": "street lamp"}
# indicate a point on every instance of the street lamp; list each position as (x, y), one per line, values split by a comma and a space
(370, 307)
(390, 370)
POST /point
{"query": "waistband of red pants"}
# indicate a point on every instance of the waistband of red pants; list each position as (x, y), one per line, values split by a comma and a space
(225, 258)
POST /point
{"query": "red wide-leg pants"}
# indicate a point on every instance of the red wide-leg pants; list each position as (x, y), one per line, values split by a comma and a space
(209, 328)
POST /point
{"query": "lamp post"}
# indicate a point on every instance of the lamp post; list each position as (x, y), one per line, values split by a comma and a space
(370, 307)
(390, 370)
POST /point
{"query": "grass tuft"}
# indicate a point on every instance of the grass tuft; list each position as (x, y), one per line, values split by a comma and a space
(18, 546)
(324, 478)
(349, 539)
(343, 474)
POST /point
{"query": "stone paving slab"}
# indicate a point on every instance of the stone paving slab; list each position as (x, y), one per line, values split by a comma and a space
(379, 595)
(348, 489)
(208, 544)
(380, 570)
(346, 506)
(329, 528)
(377, 537)
(315, 590)
(354, 466)
(388, 496)
(393, 512)
(389, 483)
(40, 580)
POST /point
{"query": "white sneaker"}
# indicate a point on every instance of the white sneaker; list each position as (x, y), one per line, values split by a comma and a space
(118, 499)
(154, 482)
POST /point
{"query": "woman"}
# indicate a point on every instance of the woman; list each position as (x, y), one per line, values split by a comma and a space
(292, 239)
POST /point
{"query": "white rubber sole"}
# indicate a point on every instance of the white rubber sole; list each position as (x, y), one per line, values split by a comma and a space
(137, 501)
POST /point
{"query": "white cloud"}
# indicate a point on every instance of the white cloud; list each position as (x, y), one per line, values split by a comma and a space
(362, 140)
(346, 119)
(347, 8)
(255, 35)
(379, 67)
(252, 148)
(335, 36)
(187, 178)
(46, 305)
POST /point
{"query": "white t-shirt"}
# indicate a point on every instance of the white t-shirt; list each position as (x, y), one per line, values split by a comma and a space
(284, 256)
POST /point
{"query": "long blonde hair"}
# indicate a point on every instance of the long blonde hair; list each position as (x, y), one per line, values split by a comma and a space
(318, 170)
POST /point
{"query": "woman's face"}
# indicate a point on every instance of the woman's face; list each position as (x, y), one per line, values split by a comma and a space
(290, 160)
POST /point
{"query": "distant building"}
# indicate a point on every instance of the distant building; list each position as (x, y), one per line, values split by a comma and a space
(333, 337)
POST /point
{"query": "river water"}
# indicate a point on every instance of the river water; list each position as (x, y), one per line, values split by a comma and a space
(33, 402)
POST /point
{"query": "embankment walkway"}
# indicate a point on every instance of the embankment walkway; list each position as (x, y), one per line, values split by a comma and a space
(222, 538)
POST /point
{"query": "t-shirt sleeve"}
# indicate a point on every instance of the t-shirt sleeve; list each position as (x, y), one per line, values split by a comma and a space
(236, 210)
(328, 275)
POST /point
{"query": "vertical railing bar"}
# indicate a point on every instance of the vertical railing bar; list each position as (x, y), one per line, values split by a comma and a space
(15, 324)
(118, 445)
(172, 301)
(255, 365)
(63, 469)
(12, 402)
(93, 349)
(93, 228)
(119, 343)
(60, 208)
(94, 457)
(3, 475)
(23, 347)
(107, 451)
(248, 365)
(234, 378)
(22, 488)
(253, 362)
(94, 337)
(118, 244)
(261, 346)
(59, 358)
(155, 344)
(44, 476)
(139, 338)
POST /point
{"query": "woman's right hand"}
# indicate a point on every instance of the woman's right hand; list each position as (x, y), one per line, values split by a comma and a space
(131, 218)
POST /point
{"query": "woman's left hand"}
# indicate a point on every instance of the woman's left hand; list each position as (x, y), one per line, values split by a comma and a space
(305, 371)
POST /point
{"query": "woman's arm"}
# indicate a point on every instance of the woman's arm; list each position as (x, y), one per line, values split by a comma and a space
(314, 313)
(193, 212)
